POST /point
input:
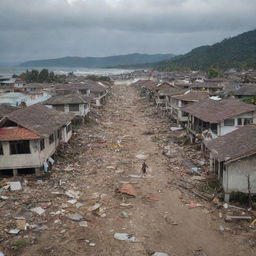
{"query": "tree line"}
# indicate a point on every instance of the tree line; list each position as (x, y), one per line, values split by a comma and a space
(43, 76)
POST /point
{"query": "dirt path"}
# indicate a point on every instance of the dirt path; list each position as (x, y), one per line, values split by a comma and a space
(102, 167)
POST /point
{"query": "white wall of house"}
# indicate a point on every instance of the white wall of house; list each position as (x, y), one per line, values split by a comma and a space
(36, 157)
(84, 109)
(235, 177)
(65, 135)
(225, 129)
(18, 85)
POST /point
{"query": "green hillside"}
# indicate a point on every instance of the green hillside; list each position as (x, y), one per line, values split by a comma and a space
(99, 62)
(235, 52)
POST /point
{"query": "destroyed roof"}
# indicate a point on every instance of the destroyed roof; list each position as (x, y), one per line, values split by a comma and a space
(149, 84)
(73, 98)
(246, 90)
(234, 145)
(17, 133)
(172, 91)
(86, 85)
(213, 85)
(38, 85)
(4, 110)
(39, 119)
(214, 111)
(192, 96)
(164, 85)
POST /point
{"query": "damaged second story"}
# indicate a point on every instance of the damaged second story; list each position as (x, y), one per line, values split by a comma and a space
(29, 138)
(214, 117)
(177, 102)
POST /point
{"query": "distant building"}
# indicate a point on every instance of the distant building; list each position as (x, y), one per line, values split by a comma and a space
(75, 103)
(177, 102)
(97, 91)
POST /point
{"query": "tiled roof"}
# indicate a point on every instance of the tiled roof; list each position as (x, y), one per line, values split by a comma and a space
(17, 133)
(4, 110)
(73, 98)
(246, 90)
(234, 145)
(38, 85)
(85, 85)
(214, 111)
(192, 96)
(208, 85)
(39, 119)
(172, 91)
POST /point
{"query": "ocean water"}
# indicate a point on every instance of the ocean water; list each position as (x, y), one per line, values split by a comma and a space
(9, 71)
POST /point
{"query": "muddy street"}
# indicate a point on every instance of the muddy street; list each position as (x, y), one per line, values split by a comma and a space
(107, 154)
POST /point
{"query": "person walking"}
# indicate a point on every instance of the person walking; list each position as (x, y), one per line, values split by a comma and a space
(144, 169)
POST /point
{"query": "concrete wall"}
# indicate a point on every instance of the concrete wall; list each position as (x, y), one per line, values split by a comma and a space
(235, 178)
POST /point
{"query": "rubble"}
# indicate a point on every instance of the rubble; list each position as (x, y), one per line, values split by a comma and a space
(159, 254)
(128, 189)
(124, 237)
(38, 210)
(15, 186)
(75, 217)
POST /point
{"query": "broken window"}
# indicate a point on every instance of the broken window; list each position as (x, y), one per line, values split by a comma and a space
(229, 122)
(59, 134)
(69, 128)
(184, 114)
(247, 121)
(42, 145)
(214, 128)
(239, 121)
(60, 108)
(51, 138)
(1, 149)
(19, 147)
(74, 107)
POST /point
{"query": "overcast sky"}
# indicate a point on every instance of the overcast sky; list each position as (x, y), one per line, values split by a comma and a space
(32, 29)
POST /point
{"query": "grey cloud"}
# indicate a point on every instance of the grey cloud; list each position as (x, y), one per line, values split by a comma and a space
(54, 28)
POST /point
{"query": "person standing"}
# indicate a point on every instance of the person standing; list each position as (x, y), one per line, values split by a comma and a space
(144, 168)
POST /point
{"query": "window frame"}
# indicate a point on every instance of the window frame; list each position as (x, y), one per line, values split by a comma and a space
(51, 138)
(73, 107)
(15, 147)
(1, 149)
(227, 120)
(42, 144)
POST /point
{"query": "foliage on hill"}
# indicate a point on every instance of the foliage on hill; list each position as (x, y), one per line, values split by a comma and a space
(236, 52)
(99, 62)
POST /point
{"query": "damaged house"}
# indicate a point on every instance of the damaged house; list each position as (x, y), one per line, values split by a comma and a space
(233, 160)
(30, 136)
(163, 97)
(75, 103)
(98, 92)
(177, 102)
(211, 118)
